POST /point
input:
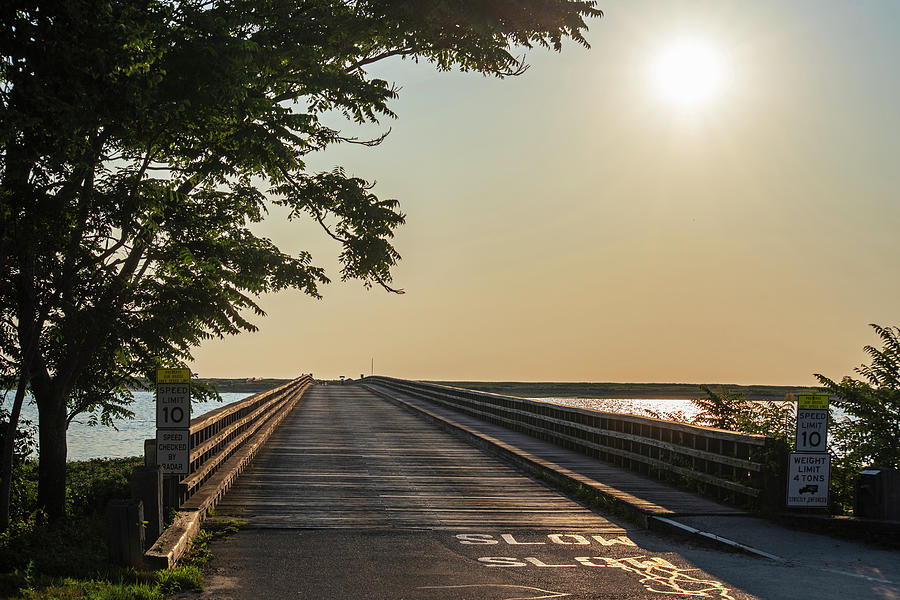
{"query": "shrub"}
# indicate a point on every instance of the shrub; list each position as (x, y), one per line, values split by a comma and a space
(729, 410)
(871, 433)
(91, 484)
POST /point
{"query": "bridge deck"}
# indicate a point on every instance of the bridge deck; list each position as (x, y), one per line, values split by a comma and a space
(349, 459)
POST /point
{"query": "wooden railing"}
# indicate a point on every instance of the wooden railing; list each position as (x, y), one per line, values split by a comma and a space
(222, 444)
(217, 435)
(731, 467)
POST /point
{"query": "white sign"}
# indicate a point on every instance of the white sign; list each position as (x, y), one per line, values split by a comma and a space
(808, 478)
(812, 430)
(173, 406)
(173, 451)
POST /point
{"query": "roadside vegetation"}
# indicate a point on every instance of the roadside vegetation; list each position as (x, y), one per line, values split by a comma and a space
(867, 434)
(42, 560)
(870, 434)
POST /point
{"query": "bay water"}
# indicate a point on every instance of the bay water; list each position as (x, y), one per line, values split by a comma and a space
(685, 410)
(127, 438)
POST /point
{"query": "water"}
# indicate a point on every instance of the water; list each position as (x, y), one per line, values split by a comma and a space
(682, 410)
(128, 438)
(668, 409)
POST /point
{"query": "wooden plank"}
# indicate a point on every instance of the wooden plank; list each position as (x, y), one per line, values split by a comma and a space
(212, 463)
(349, 459)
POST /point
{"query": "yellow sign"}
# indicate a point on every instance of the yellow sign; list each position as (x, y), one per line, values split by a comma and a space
(173, 376)
(806, 401)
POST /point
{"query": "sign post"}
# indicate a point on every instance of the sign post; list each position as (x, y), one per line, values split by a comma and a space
(809, 467)
(173, 420)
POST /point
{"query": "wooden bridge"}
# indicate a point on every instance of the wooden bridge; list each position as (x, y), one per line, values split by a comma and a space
(376, 454)
(385, 489)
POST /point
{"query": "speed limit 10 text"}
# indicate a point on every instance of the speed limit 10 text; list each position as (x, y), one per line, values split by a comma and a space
(812, 428)
(173, 405)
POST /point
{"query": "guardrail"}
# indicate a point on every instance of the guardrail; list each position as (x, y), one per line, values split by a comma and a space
(223, 442)
(218, 434)
(735, 468)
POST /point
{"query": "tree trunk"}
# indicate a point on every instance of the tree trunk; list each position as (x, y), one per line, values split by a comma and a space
(53, 449)
(6, 454)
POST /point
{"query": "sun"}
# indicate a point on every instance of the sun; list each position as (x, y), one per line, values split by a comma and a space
(689, 73)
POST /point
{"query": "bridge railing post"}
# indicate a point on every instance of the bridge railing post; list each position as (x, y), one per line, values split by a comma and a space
(147, 486)
(125, 535)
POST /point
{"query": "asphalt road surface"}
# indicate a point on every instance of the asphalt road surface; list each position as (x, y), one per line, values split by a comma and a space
(354, 497)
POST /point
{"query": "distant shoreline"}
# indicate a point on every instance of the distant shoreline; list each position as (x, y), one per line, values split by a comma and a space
(243, 384)
(663, 391)
(237, 385)
(660, 391)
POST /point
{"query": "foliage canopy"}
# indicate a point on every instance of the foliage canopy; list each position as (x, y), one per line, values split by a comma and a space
(871, 434)
(141, 140)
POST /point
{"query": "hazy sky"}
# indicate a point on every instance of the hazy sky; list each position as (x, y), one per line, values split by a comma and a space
(585, 222)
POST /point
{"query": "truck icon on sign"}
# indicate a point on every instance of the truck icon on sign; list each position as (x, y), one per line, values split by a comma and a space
(809, 489)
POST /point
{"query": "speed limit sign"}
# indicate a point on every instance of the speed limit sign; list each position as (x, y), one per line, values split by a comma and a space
(812, 423)
(812, 430)
(173, 406)
(173, 399)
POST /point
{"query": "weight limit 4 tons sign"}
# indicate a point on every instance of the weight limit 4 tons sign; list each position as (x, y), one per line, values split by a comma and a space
(173, 420)
(808, 479)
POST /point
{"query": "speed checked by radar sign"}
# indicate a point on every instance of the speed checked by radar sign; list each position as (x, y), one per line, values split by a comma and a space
(173, 420)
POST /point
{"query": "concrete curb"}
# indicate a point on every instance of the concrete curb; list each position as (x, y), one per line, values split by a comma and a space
(174, 541)
(568, 481)
(671, 527)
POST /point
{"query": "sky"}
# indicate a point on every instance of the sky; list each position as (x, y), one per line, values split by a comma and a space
(707, 194)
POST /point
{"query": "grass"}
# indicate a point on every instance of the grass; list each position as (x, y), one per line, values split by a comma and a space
(109, 582)
(40, 561)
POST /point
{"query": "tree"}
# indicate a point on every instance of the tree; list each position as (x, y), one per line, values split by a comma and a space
(871, 432)
(15, 444)
(141, 140)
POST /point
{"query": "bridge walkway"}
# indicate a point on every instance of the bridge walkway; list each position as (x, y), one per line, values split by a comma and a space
(647, 495)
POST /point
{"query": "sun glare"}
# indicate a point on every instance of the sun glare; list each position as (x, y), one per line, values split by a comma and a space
(689, 73)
